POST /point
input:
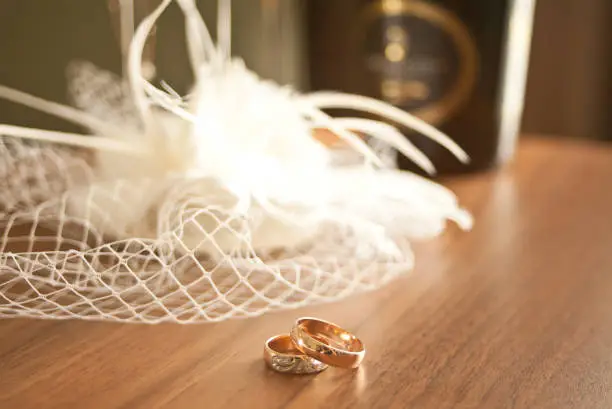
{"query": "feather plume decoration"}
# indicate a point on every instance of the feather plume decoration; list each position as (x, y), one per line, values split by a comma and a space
(245, 146)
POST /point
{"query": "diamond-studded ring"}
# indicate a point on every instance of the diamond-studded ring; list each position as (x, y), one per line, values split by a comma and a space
(328, 343)
(281, 354)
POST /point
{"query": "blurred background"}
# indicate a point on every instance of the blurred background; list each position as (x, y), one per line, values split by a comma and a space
(569, 87)
(569, 90)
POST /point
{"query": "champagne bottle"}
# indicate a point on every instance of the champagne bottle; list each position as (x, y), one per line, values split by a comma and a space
(460, 65)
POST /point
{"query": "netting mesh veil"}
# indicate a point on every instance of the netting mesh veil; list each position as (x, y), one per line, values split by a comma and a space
(208, 207)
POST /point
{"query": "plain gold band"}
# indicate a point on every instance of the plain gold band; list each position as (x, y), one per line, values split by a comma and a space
(282, 355)
(328, 343)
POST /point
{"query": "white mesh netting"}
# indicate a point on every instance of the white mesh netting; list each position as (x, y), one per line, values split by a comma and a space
(58, 265)
(60, 257)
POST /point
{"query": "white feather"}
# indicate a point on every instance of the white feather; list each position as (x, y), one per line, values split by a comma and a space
(245, 146)
(391, 136)
(360, 103)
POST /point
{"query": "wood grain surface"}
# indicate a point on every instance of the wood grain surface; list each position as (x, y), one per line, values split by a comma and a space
(515, 314)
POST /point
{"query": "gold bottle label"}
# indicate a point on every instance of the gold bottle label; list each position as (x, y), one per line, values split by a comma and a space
(423, 55)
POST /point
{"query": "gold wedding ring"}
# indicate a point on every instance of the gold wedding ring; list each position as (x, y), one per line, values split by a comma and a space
(282, 355)
(327, 343)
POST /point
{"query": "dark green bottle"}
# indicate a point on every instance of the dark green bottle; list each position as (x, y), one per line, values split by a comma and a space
(458, 64)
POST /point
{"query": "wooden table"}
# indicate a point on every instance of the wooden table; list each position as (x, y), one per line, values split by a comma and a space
(516, 314)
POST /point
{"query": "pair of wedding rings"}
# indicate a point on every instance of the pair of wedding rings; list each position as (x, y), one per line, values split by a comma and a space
(312, 346)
